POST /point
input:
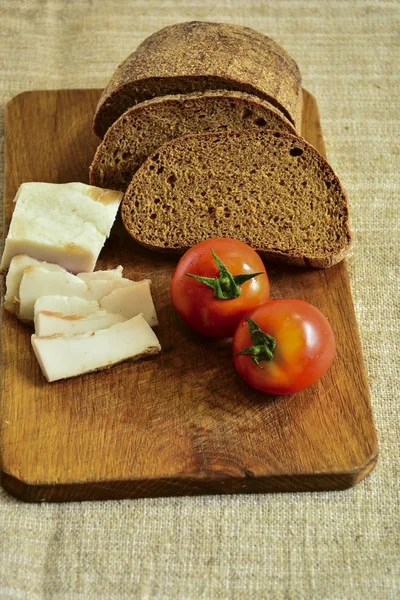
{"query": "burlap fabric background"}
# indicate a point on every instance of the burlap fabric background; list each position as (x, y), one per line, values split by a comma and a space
(313, 546)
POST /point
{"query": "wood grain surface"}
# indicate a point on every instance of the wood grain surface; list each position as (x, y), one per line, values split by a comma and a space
(182, 422)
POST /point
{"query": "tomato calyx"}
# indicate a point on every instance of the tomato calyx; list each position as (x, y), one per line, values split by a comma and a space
(226, 286)
(263, 344)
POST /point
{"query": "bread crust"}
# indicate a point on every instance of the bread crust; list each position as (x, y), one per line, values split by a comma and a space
(197, 56)
(144, 186)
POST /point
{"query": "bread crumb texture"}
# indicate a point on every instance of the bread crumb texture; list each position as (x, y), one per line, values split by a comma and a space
(269, 189)
(142, 129)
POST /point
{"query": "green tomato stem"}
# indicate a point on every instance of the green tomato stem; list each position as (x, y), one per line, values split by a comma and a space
(226, 286)
(263, 344)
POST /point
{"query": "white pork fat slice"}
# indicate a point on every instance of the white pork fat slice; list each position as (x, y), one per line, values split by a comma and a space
(64, 223)
(103, 287)
(14, 275)
(66, 305)
(48, 323)
(37, 282)
(132, 300)
(106, 274)
(64, 356)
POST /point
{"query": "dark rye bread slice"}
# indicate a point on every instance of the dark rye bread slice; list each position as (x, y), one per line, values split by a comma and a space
(148, 125)
(270, 189)
(200, 56)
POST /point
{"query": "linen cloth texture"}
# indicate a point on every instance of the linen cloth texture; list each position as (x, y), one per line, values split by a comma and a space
(332, 546)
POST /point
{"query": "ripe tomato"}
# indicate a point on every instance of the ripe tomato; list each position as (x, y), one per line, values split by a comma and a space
(283, 346)
(232, 281)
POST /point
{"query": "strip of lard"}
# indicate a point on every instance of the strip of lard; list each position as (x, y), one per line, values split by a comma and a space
(66, 305)
(63, 356)
(102, 287)
(65, 224)
(107, 274)
(14, 276)
(38, 282)
(131, 300)
(49, 323)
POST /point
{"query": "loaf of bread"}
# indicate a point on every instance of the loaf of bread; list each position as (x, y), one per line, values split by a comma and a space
(148, 125)
(200, 56)
(270, 189)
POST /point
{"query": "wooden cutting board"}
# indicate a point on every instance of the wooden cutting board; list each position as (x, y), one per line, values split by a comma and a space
(182, 422)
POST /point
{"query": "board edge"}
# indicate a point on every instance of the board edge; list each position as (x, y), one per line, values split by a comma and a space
(187, 486)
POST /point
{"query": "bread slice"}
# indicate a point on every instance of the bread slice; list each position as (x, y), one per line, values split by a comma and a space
(148, 125)
(270, 189)
(200, 56)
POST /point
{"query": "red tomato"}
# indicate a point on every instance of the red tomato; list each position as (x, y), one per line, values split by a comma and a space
(196, 302)
(304, 350)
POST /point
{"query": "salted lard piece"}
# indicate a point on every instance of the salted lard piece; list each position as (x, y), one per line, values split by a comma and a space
(37, 282)
(66, 224)
(50, 323)
(102, 287)
(14, 275)
(62, 356)
(104, 274)
(131, 300)
(66, 305)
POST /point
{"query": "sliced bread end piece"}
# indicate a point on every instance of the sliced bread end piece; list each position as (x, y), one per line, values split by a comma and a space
(199, 56)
